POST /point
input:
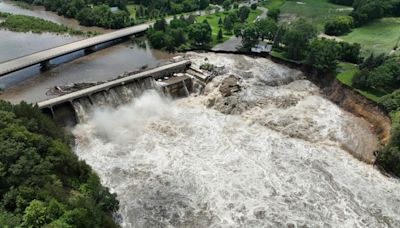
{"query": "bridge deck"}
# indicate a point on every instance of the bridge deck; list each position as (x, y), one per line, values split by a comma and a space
(108, 85)
(38, 57)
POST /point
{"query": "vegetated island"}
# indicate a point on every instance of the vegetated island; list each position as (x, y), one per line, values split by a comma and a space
(22, 23)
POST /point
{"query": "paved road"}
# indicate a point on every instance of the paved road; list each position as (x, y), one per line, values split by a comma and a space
(38, 57)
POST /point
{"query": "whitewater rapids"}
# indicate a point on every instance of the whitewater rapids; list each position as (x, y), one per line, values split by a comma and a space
(275, 154)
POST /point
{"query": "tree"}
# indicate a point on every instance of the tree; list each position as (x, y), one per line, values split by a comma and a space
(243, 13)
(297, 39)
(178, 36)
(220, 36)
(249, 36)
(160, 25)
(339, 26)
(157, 39)
(237, 29)
(266, 29)
(253, 6)
(226, 5)
(274, 13)
(36, 215)
(389, 157)
(203, 4)
(200, 33)
(391, 101)
(323, 54)
(350, 52)
(228, 24)
(220, 22)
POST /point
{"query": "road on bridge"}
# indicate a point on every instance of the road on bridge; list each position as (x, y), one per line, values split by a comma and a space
(43, 56)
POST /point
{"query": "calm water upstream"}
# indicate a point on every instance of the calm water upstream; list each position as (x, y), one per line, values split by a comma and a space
(31, 84)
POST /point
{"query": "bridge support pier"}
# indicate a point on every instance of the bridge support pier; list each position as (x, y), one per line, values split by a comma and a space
(45, 65)
(90, 50)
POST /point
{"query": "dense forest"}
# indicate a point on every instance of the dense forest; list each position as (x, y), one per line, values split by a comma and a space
(42, 182)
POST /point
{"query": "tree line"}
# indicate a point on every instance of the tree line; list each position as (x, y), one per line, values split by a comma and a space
(364, 11)
(186, 33)
(160, 8)
(299, 42)
(42, 182)
(180, 34)
(90, 12)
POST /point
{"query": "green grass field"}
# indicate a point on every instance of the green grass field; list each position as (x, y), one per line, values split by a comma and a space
(213, 21)
(318, 12)
(380, 36)
(345, 74)
(272, 4)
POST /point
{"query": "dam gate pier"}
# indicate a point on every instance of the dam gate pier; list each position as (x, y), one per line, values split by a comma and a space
(177, 79)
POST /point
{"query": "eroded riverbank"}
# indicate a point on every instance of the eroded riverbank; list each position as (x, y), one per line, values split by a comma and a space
(274, 154)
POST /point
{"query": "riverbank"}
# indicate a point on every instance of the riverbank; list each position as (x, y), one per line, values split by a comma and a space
(342, 95)
(22, 23)
(346, 97)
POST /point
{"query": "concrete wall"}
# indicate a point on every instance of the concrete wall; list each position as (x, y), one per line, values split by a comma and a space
(61, 109)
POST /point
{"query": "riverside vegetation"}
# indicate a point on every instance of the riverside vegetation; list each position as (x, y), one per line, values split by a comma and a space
(42, 182)
(22, 23)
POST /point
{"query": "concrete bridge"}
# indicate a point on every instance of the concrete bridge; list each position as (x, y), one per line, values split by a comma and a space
(61, 107)
(44, 57)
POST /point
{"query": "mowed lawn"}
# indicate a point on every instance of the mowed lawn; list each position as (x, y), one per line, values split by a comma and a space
(377, 37)
(272, 4)
(213, 19)
(345, 74)
(318, 12)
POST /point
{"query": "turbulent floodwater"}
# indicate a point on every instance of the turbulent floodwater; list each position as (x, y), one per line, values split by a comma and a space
(276, 154)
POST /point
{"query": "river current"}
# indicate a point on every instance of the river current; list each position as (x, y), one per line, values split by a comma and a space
(275, 154)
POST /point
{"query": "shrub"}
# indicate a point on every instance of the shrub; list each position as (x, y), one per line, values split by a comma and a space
(339, 26)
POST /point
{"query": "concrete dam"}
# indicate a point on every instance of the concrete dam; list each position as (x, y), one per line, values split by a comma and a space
(175, 79)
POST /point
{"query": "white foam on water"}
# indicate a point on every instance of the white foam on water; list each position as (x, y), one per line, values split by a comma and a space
(181, 164)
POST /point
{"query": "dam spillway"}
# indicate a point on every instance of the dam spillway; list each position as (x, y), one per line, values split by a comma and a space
(69, 109)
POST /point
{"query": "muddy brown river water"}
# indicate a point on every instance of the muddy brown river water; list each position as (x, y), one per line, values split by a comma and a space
(274, 154)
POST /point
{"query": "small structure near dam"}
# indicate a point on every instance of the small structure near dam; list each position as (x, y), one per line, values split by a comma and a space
(172, 79)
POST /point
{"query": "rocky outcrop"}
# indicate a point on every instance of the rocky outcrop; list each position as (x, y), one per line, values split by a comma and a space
(229, 85)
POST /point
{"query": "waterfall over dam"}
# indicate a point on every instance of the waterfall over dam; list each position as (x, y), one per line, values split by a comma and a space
(170, 79)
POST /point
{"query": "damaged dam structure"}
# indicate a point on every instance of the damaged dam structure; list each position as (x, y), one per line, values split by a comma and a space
(171, 79)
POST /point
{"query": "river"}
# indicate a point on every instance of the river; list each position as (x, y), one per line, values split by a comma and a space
(32, 84)
(275, 154)
(39, 11)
